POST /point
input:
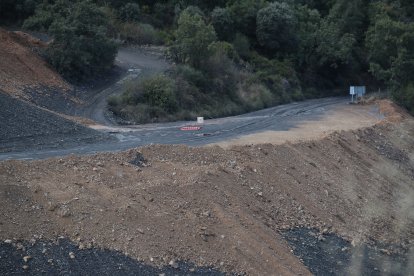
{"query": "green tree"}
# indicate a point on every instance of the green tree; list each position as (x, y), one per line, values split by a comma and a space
(390, 45)
(193, 37)
(130, 12)
(223, 23)
(333, 47)
(244, 14)
(242, 45)
(276, 28)
(309, 23)
(350, 17)
(46, 13)
(405, 96)
(80, 48)
(159, 92)
(14, 11)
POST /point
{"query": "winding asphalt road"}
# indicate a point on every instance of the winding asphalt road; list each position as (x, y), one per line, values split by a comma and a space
(280, 118)
(137, 63)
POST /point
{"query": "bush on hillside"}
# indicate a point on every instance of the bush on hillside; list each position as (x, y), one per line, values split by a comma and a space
(140, 34)
(223, 23)
(405, 96)
(242, 45)
(130, 12)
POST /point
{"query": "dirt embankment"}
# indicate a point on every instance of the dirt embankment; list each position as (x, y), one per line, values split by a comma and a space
(221, 207)
(21, 68)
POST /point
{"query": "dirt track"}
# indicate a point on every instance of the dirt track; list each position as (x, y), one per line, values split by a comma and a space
(132, 63)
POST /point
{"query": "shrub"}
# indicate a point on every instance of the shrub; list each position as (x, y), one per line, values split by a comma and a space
(405, 96)
(223, 76)
(159, 92)
(255, 95)
(224, 49)
(191, 75)
(244, 14)
(279, 77)
(140, 34)
(242, 45)
(130, 12)
(223, 23)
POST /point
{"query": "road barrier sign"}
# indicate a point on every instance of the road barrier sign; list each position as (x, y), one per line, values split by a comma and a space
(190, 128)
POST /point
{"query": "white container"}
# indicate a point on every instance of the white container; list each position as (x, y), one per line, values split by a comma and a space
(200, 120)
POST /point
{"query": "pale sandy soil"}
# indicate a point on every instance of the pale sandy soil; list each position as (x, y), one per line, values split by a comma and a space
(344, 118)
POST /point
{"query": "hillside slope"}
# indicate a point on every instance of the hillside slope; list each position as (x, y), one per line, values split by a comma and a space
(22, 69)
(24, 126)
(228, 208)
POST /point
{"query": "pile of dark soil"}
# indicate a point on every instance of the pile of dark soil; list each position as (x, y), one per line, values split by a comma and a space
(329, 254)
(62, 257)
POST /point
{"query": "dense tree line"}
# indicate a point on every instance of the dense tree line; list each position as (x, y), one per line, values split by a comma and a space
(239, 50)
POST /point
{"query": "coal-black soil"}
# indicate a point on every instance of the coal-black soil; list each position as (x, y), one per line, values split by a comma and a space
(329, 254)
(64, 258)
(24, 126)
(139, 161)
(53, 99)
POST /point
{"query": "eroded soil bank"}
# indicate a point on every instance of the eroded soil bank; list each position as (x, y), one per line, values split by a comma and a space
(222, 208)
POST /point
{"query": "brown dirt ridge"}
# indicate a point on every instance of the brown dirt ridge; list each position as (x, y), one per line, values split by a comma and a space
(224, 208)
(21, 68)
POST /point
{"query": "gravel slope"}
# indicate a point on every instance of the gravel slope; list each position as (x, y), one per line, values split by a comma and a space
(25, 126)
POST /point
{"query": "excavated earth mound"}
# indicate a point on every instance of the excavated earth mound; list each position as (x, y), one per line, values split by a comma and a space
(291, 209)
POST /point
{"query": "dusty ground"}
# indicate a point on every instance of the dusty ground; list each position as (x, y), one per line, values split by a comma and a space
(219, 207)
(342, 118)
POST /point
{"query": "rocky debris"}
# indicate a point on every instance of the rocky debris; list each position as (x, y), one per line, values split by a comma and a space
(64, 211)
(139, 160)
(173, 264)
(209, 206)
